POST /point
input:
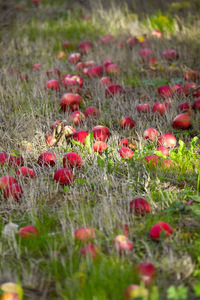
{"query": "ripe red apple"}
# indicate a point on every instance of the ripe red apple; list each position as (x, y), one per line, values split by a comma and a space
(145, 53)
(80, 136)
(156, 33)
(124, 142)
(6, 181)
(170, 54)
(96, 71)
(91, 112)
(182, 91)
(85, 47)
(3, 158)
(143, 108)
(53, 72)
(90, 250)
(50, 140)
(28, 232)
(151, 134)
(13, 191)
(15, 160)
(47, 159)
(106, 80)
(167, 139)
(184, 106)
(64, 176)
(74, 58)
(80, 66)
(127, 123)
(140, 206)
(106, 63)
(101, 133)
(196, 104)
(182, 121)
(165, 91)
(191, 75)
(196, 93)
(164, 150)
(107, 39)
(85, 234)
(26, 172)
(71, 101)
(36, 66)
(158, 228)
(113, 69)
(71, 80)
(146, 271)
(126, 152)
(132, 41)
(99, 147)
(135, 291)
(114, 89)
(53, 85)
(90, 63)
(72, 160)
(160, 107)
(152, 161)
(77, 117)
(123, 244)
(175, 87)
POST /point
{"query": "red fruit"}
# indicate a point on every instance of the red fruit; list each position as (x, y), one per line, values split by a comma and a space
(74, 58)
(106, 63)
(47, 159)
(114, 89)
(26, 172)
(151, 134)
(96, 71)
(107, 39)
(122, 243)
(91, 250)
(191, 75)
(146, 271)
(85, 47)
(191, 85)
(72, 80)
(166, 163)
(156, 230)
(55, 124)
(112, 69)
(156, 33)
(164, 150)
(6, 181)
(53, 85)
(99, 147)
(127, 122)
(64, 176)
(80, 66)
(36, 66)
(152, 160)
(72, 160)
(53, 72)
(126, 152)
(91, 112)
(80, 136)
(14, 191)
(23, 76)
(165, 91)
(89, 63)
(143, 108)
(167, 139)
(175, 87)
(50, 140)
(160, 107)
(71, 101)
(132, 41)
(182, 121)
(196, 104)
(3, 158)
(124, 142)
(77, 117)
(101, 133)
(182, 91)
(106, 80)
(184, 106)
(170, 54)
(146, 53)
(85, 234)
(15, 160)
(28, 232)
(140, 206)
(196, 93)
(67, 45)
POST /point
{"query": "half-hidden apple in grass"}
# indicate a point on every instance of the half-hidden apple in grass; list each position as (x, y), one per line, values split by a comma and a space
(127, 123)
(106, 80)
(151, 134)
(182, 121)
(47, 159)
(53, 72)
(152, 161)
(11, 291)
(36, 67)
(72, 160)
(160, 107)
(77, 117)
(28, 232)
(126, 152)
(158, 229)
(191, 75)
(23, 76)
(15, 160)
(50, 140)
(6, 181)
(53, 85)
(26, 172)
(143, 108)
(26, 146)
(85, 47)
(196, 104)
(123, 244)
(124, 143)
(91, 112)
(67, 45)
(64, 176)
(156, 33)
(196, 93)
(80, 136)
(14, 191)
(101, 133)
(100, 147)
(113, 69)
(107, 39)
(3, 158)
(70, 101)
(184, 106)
(85, 234)
(165, 91)
(132, 41)
(146, 53)
(114, 89)
(135, 291)
(96, 71)
(140, 206)
(90, 250)
(167, 139)
(170, 54)
(106, 63)
(74, 58)
(164, 150)
(146, 271)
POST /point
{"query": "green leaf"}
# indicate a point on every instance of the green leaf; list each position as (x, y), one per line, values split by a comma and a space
(89, 141)
(177, 293)
(80, 181)
(77, 144)
(197, 289)
(66, 189)
(100, 162)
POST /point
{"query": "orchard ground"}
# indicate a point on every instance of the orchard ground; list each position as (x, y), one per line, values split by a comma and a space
(51, 263)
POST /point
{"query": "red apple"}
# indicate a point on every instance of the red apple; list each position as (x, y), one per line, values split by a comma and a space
(64, 176)
(132, 41)
(124, 142)
(53, 85)
(158, 228)
(170, 54)
(146, 271)
(152, 161)
(26, 172)
(127, 123)
(85, 47)
(90, 63)
(91, 112)
(160, 107)
(67, 45)
(191, 75)
(101, 133)
(196, 93)
(121, 44)
(196, 104)
(3, 158)
(15, 160)
(164, 150)
(90, 250)
(96, 71)
(167, 139)
(71, 101)
(151, 134)
(28, 232)
(145, 53)
(6, 181)
(106, 80)
(112, 69)
(99, 147)
(114, 89)
(143, 108)
(36, 66)
(50, 140)
(126, 152)
(77, 117)
(182, 121)
(156, 33)
(175, 87)
(106, 63)
(47, 159)
(74, 58)
(123, 244)
(80, 136)
(13, 191)
(72, 160)
(184, 106)
(165, 91)
(140, 206)
(80, 66)
(85, 234)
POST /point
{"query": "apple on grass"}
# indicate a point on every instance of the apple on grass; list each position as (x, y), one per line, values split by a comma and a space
(53, 85)
(77, 118)
(3, 158)
(127, 123)
(100, 147)
(96, 71)
(113, 69)
(143, 108)
(182, 121)
(124, 143)
(140, 206)
(13, 191)
(158, 229)
(85, 47)
(72, 160)
(135, 291)
(164, 150)
(6, 181)
(28, 232)
(184, 106)
(101, 133)
(26, 172)
(11, 291)
(196, 104)
(151, 134)
(165, 91)
(80, 136)
(167, 139)
(156, 33)
(132, 41)
(47, 159)
(74, 58)
(160, 107)
(15, 160)
(191, 75)
(90, 250)
(170, 54)
(114, 89)
(106, 80)
(123, 244)
(85, 234)
(126, 152)
(70, 101)
(64, 176)
(146, 271)
(36, 66)
(91, 112)
(50, 140)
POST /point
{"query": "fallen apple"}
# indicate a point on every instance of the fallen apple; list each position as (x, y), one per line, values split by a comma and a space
(64, 176)
(72, 160)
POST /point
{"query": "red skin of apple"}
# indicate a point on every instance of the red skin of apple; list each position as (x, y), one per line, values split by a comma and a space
(146, 271)
(106, 80)
(127, 123)
(164, 150)
(196, 93)
(64, 176)
(14, 191)
(91, 250)
(47, 159)
(112, 69)
(165, 91)
(90, 63)
(196, 104)
(28, 232)
(156, 230)
(191, 85)
(156, 33)
(191, 75)
(67, 45)
(166, 164)
(71, 101)
(182, 91)
(85, 47)
(53, 85)
(50, 140)
(126, 152)
(26, 172)
(107, 39)
(3, 158)
(91, 112)
(69, 80)
(124, 142)
(6, 181)
(170, 54)
(143, 108)
(152, 160)
(36, 66)
(106, 63)
(151, 134)
(80, 136)
(182, 121)
(184, 106)
(77, 118)
(114, 89)
(167, 139)
(145, 53)
(96, 71)
(80, 66)
(75, 90)
(140, 206)
(101, 133)
(99, 147)
(132, 41)
(74, 58)
(175, 87)
(72, 160)
(85, 234)
(15, 160)
(160, 107)
(123, 244)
